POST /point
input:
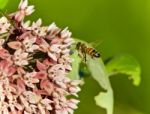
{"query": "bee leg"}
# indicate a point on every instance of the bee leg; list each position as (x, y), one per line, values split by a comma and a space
(80, 55)
(84, 57)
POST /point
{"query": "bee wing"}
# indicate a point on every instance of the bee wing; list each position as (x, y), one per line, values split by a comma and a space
(96, 43)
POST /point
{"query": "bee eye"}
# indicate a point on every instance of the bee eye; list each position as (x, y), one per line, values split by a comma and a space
(97, 55)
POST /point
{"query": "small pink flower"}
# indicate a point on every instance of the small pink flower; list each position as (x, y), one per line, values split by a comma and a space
(43, 45)
(29, 45)
(24, 10)
(4, 25)
(47, 86)
(6, 68)
(32, 97)
(20, 58)
(4, 54)
(36, 25)
(30, 79)
(53, 51)
(37, 29)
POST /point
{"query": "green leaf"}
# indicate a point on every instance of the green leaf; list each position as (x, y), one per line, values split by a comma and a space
(3, 3)
(105, 100)
(125, 64)
(74, 74)
(98, 71)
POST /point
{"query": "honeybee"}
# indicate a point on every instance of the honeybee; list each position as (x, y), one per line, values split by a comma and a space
(83, 50)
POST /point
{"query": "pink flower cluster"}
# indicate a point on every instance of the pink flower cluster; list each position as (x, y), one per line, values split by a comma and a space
(34, 63)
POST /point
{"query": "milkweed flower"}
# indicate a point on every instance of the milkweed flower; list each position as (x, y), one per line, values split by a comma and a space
(4, 25)
(34, 63)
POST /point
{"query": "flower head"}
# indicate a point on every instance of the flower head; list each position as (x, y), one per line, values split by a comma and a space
(34, 63)
(24, 10)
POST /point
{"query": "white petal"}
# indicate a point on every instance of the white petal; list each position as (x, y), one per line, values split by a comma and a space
(39, 22)
(66, 33)
(24, 101)
(74, 101)
(18, 52)
(75, 82)
(46, 101)
(18, 106)
(26, 112)
(30, 10)
(26, 24)
(72, 105)
(5, 111)
(68, 40)
(70, 110)
(2, 42)
(24, 55)
(61, 84)
(55, 48)
(65, 51)
(41, 109)
(68, 67)
(24, 62)
(53, 56)
(52, 27)
(23, 4)
(32, 40)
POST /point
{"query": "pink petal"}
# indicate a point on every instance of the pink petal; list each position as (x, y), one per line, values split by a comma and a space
(30, 10)
(19, 16)
(24, 35)
(47, 112)
(13, 88)
(11, 71)
(4, 64)
(41, 75)
(14, 45)
(4, 54)
(44, 83)
(20, 112)
(40, 66)
(20, 71)
(48, 62)
(40, 92)
(13, 111)
(56, 40)
(47, 86)
(20, 84)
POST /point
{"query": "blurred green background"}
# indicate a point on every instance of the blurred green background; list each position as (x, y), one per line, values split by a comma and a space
(123, 26)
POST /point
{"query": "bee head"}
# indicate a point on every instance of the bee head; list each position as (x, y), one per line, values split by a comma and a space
(78, 45)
